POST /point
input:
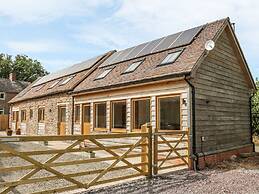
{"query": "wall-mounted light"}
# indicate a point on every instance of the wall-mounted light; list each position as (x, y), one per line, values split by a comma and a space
(184, 101)
(50, 110)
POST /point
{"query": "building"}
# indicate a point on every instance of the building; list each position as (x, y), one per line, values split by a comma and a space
(9, 88)
(173, 82)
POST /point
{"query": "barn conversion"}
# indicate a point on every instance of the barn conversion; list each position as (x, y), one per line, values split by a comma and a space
(197, 79)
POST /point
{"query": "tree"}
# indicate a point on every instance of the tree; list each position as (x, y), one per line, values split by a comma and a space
(26, 69)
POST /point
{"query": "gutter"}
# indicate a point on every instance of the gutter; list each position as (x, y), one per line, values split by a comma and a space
(194, 152)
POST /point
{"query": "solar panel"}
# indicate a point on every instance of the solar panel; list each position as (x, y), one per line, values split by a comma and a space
(151, 45)
(186, 37)
(69, 71)
(166, 42)
(136, 50)
(123, 55)
(172, 41)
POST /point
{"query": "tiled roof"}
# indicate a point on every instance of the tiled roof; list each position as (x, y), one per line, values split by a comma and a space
(6, 85)
(36, 90)
(150, 70)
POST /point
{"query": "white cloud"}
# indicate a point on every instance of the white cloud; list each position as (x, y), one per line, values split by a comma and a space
(40, 46)
(38, 11)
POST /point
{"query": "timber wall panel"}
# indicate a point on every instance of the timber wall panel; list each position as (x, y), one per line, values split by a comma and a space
(222, 100)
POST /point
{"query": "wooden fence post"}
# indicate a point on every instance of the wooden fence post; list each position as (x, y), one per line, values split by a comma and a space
(144, 149)
(155, 146)
(147, 149)
(150, 158)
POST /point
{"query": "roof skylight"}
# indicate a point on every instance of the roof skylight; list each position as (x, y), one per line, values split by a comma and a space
(54, 84)
(67, 80)
(104, 74)
(171, 57)
(132, 67)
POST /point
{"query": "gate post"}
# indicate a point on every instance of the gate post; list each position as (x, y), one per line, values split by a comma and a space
(147, 149)
(155, 157)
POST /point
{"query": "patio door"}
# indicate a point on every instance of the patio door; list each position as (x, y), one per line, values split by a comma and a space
(86, 119)
(62, 120)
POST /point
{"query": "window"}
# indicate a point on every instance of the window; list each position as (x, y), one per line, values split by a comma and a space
(15, 116)
(119, 114)
(171, 57)
(62, 114)
(104, 74)
(31, 113)
(100, 115)
(66, 80)
(141, 112)
(39, 87)
(132, 67)
(2, 96)
(54, 84)
(41, 114)
(1, 111)
(23, 115)
(77, 113)
(86, 113)
(169, 113)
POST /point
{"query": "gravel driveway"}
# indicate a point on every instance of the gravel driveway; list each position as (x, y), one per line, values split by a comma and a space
(240, 176)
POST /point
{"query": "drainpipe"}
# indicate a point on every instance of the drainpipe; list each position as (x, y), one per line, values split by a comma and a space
(72, 116)
(194, 154)
(251, 117)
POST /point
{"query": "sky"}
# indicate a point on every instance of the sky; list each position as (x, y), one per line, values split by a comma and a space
(59, 33)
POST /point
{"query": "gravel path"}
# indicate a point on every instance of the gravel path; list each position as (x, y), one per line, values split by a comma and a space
(241, 176)
(30, 188)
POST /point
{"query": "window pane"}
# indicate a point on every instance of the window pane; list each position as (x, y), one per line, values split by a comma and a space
(41, 115)
(119, 115)
(169, 110)
(132, 67)
(170, 58)
(100, 115)
(86, 114)
(23, 115)
(77, 113)
(141, 113)
(104, 74)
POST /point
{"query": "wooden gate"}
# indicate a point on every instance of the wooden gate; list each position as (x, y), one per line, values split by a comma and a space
(112, 162)
(4, 122)
(171, 150)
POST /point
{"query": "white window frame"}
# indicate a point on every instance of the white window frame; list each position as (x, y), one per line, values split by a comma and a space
(66, 80)
(171, 57)
(3, 94)
(104, 74)
(133, 66)
(54, 84)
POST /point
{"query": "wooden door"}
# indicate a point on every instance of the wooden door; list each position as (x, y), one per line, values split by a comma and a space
(62, 120)
(86, 119)
(15, 119)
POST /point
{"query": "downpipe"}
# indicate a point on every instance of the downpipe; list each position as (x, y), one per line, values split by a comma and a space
(194, 154)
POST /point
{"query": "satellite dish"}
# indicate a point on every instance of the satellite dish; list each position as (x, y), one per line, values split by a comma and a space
(209, 45)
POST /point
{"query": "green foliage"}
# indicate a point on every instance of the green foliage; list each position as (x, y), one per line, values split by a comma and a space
(255, 109)
(26, 69)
